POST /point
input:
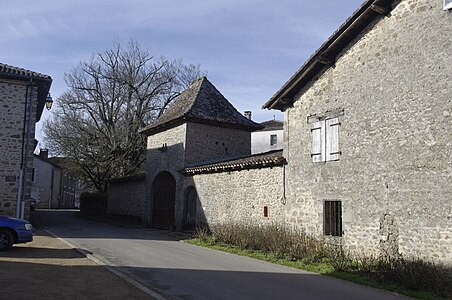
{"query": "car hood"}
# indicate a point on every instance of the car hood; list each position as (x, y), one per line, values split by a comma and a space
(5, 218)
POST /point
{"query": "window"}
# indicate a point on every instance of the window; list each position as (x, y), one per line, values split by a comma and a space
(447, 4)
(33, 175)
(273, 139)
(325, 140)
(332, 218)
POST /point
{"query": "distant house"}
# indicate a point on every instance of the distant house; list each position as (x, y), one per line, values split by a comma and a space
(23, 94)
(269, 138)
(54, 185)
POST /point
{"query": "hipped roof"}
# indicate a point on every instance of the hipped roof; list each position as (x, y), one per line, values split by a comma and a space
(326, 55)
(201, 102)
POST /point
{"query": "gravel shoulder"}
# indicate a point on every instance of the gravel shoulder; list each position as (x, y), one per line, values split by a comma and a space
(47, 268)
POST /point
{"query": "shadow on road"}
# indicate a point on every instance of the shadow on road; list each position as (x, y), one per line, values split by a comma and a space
(32, 252)
(72, 224)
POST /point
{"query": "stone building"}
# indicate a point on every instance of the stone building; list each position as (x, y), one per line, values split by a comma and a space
(200, 127)
(23, 95)
(368, 135)
(366, 160)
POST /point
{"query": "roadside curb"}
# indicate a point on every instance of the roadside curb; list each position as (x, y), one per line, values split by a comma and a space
(113, 270)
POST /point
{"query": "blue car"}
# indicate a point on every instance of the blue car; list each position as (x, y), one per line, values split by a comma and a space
(14, 231)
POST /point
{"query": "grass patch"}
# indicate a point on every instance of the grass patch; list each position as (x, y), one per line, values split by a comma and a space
(292, 248)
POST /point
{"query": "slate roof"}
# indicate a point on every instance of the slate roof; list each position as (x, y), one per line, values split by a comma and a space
(261, 160)
(42, 81)
(326, 55)
(201, 102)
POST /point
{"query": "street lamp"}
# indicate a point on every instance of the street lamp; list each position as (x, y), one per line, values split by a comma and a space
(49, 101)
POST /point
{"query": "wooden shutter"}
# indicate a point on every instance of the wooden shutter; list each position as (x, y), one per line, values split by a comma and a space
(317, 144)
(332, 139)
(332, 216)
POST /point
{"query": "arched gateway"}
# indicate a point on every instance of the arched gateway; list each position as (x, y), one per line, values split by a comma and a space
(164, 196)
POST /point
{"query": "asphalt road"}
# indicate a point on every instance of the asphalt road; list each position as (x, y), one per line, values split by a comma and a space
(177, 270)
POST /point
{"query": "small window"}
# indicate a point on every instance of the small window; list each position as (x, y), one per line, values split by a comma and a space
(273, 139)
(265, 211)
(447, 5)
(325, 140)
(332, 214)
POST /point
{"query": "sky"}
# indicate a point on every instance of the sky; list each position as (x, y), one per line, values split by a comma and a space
(249, 48)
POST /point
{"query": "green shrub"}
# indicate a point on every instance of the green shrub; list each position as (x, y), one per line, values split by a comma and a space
(93, 204)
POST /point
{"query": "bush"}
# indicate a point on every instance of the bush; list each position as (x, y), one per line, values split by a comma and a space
(93, 204)
(292, 244)
(277, 240)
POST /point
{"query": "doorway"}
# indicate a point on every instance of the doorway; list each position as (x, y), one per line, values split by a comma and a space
(164, 200)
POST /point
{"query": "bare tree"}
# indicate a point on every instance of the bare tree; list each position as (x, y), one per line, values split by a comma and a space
(109, 99)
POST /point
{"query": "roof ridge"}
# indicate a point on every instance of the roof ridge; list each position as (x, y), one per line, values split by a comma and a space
(202, 80)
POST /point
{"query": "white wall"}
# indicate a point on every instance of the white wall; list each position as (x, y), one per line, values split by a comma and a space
(260, 141)
(40, 189)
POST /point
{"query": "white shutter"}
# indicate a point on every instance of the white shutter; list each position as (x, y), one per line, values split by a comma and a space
(317, 145)
(332, 139)
(447, 4)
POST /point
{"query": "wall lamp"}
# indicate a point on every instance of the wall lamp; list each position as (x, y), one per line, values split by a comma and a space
(49, 101)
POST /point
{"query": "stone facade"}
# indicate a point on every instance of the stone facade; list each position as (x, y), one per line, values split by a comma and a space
(393, 176)
(174, 149)
(126, 197)
(23, 94)
(13, 95)
(252, 196)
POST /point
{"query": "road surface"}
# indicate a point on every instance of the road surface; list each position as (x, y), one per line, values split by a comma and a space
(176, 270)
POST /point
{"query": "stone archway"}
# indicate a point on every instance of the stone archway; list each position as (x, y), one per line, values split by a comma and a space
(164, 200)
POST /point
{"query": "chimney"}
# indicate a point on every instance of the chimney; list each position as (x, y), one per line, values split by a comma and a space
(44, 153)
(247, 114)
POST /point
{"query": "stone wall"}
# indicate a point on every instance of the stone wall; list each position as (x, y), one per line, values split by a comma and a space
(239, 196)
(209, 143)
(12, 100)
(165, 152)
(393, 176)
(174, 149)
(126, 197)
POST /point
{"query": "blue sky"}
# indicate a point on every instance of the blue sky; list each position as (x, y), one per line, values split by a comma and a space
(249, 48)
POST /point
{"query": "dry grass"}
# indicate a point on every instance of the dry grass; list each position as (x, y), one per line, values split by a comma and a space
(295, 245)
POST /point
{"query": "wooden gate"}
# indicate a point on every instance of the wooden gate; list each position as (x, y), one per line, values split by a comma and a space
(191, 199)
(164, 200)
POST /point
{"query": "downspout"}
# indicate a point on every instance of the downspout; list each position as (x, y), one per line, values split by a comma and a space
(51, 186)
(20, 205)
